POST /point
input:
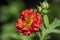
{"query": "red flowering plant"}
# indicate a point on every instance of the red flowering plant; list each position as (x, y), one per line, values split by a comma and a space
(31, 21)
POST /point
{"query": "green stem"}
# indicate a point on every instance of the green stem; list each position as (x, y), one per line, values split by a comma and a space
(42, 38)
(44, 34)
(46, 20)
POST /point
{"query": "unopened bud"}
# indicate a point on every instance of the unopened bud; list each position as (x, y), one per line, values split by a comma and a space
(39, 8)
(45, 5)
(45, 11)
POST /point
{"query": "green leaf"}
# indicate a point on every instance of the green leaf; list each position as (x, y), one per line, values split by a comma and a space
(55, 31)
(46, 21)
(42, 27)
(55, 23)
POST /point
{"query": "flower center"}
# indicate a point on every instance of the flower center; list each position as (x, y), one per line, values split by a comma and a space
(28, 22)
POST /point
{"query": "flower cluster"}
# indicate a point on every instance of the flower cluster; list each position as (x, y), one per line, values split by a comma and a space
(29, 22)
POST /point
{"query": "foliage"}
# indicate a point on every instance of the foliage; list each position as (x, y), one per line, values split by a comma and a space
(51, 21)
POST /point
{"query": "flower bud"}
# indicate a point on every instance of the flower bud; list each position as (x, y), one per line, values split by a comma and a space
(39, 9)
(45, 11)
(45, 5)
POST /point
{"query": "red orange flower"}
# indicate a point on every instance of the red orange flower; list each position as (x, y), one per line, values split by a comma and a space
(29, 22)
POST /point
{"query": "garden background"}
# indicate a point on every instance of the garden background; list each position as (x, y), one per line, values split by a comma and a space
(10, 11)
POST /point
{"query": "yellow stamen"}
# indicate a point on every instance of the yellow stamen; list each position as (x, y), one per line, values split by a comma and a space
(28, 22)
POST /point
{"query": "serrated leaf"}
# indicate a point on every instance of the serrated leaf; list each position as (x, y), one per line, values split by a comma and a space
(55, 31)
(38, 34)
(42, 27)
(55, 23)
(46, 21)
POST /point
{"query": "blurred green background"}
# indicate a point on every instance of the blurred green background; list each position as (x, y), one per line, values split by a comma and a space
(10, 12)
